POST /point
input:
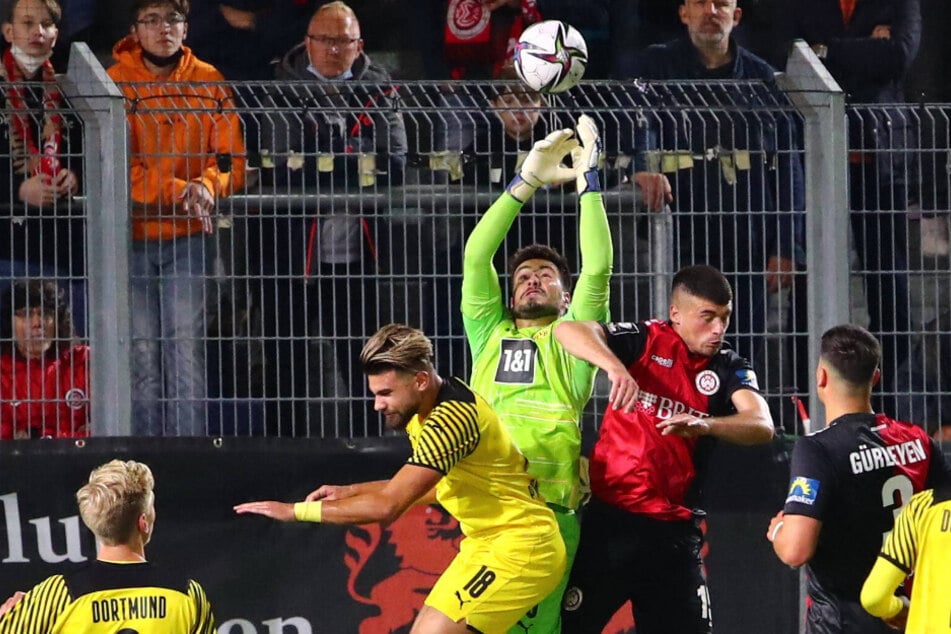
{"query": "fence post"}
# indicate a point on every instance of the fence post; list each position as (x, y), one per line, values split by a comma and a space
(97, 100)
(822, 102)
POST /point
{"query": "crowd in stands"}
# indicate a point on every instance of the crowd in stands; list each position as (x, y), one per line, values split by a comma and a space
(319, 284)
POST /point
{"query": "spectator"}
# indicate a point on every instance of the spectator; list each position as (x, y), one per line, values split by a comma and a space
(868, 47)
(739, 207)
(120, 591)
(43, 384)
(919, 546)
(494, 140)
(846, 484)
(674, 391)
(471, 39)
(40, 151)
(181, 165)
(243, 39)
(349, 138)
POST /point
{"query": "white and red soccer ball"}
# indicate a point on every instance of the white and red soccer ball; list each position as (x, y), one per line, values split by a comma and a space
(551, 56)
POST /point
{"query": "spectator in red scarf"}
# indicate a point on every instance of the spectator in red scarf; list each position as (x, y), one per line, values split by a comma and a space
(40, 155)
(43, 371)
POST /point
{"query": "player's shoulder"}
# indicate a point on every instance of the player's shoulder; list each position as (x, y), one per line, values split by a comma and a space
(102, 576)
(455, 390)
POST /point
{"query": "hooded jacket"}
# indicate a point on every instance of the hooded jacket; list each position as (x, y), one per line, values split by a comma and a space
(178, 134)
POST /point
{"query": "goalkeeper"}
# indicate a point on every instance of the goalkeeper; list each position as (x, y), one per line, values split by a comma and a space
(535, 386)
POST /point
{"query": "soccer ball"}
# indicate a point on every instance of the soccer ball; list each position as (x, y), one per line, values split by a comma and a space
(551, 56)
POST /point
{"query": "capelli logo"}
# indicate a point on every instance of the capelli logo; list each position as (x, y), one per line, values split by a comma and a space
(667, 363)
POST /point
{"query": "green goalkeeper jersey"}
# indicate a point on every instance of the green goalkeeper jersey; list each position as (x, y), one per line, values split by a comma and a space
(538, 389)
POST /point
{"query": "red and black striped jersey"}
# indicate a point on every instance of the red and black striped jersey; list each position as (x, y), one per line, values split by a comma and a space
(633, 466)
(854, 476)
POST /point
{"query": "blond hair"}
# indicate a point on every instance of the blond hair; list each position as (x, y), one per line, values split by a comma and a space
(397, 347)
(117, 494)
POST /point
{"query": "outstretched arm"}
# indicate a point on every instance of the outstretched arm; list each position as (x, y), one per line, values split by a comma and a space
(590, 298)
(410, 485)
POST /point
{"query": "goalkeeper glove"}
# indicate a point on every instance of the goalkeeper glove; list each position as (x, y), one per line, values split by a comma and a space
(585, 156)
(544, 165)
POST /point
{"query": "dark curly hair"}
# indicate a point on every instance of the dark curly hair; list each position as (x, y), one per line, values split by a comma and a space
(46, 294)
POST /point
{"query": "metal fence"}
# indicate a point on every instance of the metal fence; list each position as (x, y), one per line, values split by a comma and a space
(346, 206)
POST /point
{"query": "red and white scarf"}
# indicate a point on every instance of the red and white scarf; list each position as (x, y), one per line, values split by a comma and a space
(29, 158)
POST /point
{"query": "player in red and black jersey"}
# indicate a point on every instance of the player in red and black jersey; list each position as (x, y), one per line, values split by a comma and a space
(848, 482)
(674, 387)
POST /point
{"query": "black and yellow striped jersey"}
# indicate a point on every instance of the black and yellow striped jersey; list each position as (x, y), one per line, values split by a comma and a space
(920, 543)
(485, 483)
(107, 598)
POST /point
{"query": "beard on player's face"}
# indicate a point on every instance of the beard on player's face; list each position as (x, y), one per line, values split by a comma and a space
(532, 310)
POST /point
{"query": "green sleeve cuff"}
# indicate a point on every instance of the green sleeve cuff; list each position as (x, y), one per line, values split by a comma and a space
(308, 511)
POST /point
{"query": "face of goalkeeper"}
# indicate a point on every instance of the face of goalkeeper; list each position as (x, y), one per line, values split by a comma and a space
(538, 290)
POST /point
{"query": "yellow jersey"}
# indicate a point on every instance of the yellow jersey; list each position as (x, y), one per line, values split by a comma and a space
(107, 598)
(485, 483)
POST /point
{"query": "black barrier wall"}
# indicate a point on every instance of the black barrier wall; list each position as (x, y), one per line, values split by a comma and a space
(266, 577)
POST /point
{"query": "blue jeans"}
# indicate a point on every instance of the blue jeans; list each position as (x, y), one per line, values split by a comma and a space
(168, 294)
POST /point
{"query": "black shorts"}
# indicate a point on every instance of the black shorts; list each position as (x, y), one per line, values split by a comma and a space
(654, 564)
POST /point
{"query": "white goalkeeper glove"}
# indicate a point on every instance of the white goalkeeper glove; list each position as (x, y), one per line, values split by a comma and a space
(544, 165)
(586, 156)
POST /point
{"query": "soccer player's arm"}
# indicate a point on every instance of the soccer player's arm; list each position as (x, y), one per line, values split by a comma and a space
(748, 421)
(590, 299)
(481, 304)
(36, 612)
(794, 531)
(450, 433)
(895, 562)
(610, 347)
(752, 424)
(204, 618)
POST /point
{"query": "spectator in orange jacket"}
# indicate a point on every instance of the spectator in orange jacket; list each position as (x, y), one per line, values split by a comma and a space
(43, 390)
(187, 152)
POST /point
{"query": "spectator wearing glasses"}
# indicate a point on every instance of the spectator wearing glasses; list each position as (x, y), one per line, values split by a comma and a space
(338, 135)
(187, 152)
(40, 146)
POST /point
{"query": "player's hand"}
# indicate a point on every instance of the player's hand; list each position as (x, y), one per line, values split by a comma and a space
(624, 390)
(197, 201)
(586, 156)
(281, 511)
(12, 601)
(685, 426)
(544, 165)
(330, 492)
(655, 190)
(772, 525)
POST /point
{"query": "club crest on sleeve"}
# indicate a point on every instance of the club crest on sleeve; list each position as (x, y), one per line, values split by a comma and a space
(708, 382)
(803, 490)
